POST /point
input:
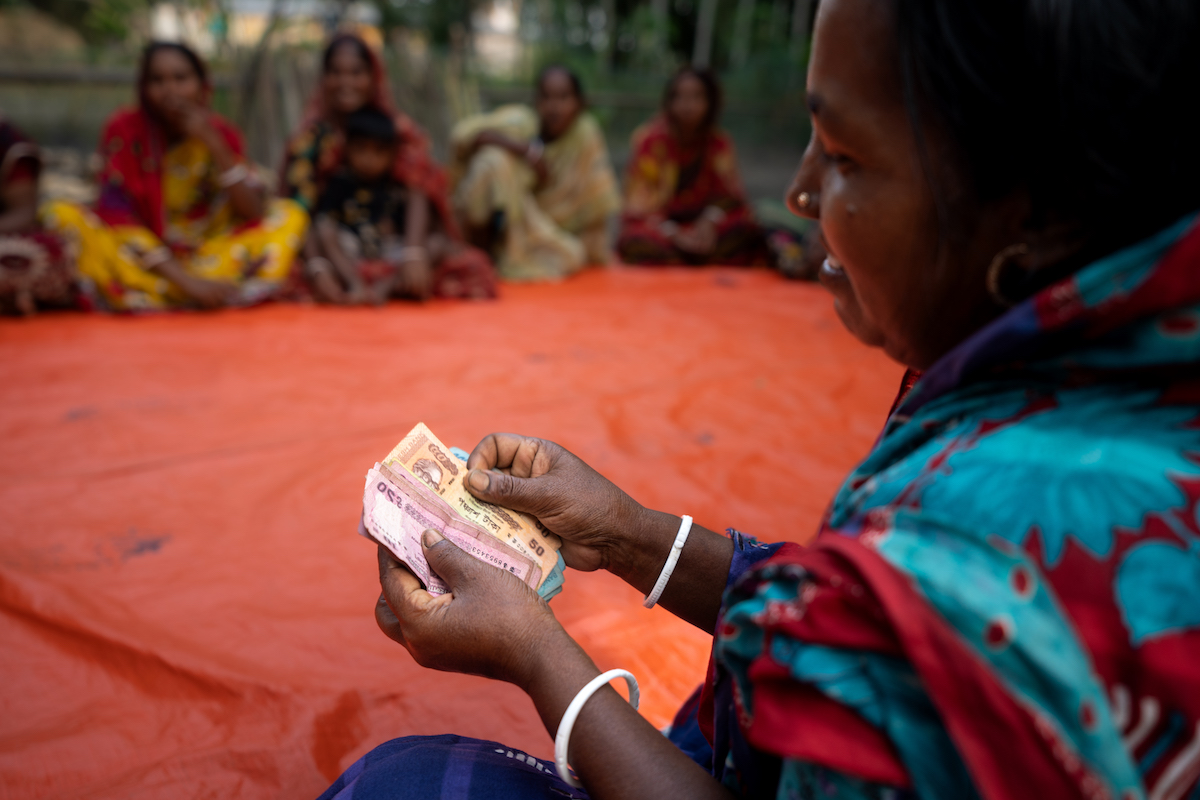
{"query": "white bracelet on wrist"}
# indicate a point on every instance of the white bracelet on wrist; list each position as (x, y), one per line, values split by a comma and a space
(233, 176)
(685, 527)
(563, 737)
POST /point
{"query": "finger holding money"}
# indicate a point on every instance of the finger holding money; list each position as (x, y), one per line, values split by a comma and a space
(601, 526)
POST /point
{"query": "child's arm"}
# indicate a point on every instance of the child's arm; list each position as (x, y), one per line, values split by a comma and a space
(326, 232)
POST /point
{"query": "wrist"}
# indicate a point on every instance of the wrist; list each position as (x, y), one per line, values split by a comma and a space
(642, 547)
(554, 662)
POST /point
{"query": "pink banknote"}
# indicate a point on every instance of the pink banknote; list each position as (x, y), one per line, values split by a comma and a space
(397, 510)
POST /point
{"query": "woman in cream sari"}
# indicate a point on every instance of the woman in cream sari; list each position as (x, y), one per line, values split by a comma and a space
(536, 186)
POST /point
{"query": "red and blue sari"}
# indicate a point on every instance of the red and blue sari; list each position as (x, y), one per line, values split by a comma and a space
(1004, 600)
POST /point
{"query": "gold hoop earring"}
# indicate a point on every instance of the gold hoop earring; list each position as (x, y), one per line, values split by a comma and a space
(999, 262)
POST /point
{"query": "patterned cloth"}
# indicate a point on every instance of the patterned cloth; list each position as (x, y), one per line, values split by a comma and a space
(1004, 600)
(449, 768)
(669, 185)
(158, 200)
(34, 270)
(549, 231)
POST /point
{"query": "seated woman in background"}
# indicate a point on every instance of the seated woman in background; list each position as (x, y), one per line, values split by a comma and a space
(33, 271)
(684, 202)
(181, 221)
(536, 187)
(433, 260)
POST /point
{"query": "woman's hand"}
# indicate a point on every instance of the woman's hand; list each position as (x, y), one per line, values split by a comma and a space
(698, 239)
(486, 138)
(601, 526)
(490, 624)
(570, 498)
(206, 293)
(193, 122)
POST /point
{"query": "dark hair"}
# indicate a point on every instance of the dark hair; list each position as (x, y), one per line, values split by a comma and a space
(354, 41)
(154, 48)
(546, 71)
(712, 91)
(1086, 103)
(371, 124)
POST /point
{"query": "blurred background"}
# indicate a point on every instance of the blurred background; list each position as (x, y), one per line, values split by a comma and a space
(65, 65)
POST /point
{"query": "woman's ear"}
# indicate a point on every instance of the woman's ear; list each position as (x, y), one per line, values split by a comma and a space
(1054, 242)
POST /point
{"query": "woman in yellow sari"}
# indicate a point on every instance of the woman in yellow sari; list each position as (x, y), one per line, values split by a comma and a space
(535, 187)
(181, 220)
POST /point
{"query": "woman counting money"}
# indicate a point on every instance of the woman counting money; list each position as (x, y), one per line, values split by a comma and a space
(1004, 598)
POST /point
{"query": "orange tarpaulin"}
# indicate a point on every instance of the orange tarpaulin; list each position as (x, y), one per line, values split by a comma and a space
(186, 607)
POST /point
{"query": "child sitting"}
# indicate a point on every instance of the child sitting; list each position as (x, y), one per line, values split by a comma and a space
(363, 220)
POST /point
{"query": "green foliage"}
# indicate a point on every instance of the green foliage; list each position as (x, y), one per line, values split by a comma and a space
(438, 18)
(99, 22)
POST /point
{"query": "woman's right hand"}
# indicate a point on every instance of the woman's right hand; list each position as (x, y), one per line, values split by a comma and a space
(585, 509)
(206, 293)
(209, 294)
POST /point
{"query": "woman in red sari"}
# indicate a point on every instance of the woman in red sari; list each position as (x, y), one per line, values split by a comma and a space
(181, 221)
(684, 202)
(435, 262)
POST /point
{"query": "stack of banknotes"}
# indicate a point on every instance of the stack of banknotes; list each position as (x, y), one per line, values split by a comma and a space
(420, 485)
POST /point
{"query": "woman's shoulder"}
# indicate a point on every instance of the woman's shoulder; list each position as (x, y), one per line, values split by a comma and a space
(652, 130)
(1074, 465)
(307, 135)
(587, 125)
(720, 141)
(126, 119)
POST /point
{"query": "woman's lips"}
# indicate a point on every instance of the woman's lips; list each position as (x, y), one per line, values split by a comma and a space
(832, 276)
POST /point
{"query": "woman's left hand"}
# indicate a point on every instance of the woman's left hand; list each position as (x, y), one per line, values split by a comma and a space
(489, 624)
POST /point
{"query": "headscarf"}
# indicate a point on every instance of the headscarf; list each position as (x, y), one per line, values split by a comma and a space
(133, 145)
(18, 154)
(324, 143)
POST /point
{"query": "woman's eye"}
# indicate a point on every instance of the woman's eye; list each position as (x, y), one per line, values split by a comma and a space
(837, 160)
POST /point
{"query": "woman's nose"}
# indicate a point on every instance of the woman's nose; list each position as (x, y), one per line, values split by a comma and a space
(803, 196)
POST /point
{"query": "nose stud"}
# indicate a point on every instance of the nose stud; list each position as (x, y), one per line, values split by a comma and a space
(804, 200)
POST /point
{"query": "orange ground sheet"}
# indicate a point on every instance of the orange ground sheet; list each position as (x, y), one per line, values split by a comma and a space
(185, 607)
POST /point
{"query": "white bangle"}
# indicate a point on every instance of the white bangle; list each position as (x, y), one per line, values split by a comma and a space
(156, 257)
(233, 176)
(685, 527)
(563, 737)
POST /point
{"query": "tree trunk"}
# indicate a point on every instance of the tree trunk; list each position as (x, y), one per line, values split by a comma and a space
(702, 53)
(800, 16)
(743, 32)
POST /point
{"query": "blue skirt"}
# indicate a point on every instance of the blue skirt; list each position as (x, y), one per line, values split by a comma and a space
(449, 767)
